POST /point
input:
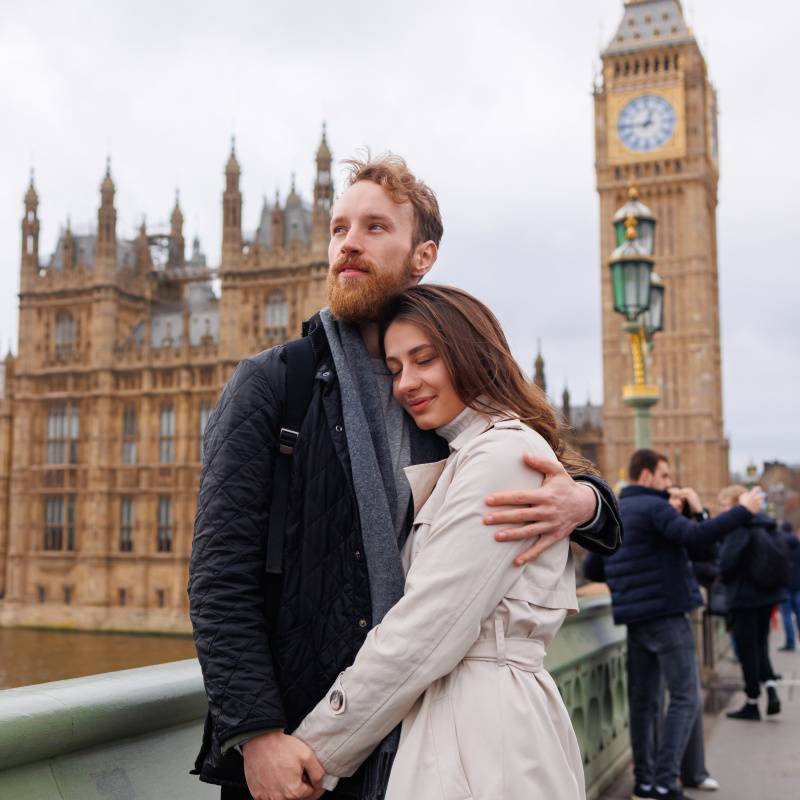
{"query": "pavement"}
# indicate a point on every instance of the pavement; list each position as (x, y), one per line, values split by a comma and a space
(751, 760)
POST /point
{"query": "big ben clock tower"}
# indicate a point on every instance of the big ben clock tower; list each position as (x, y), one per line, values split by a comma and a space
(656, 126)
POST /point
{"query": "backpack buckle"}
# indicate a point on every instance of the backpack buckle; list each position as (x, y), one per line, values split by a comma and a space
(287, 440)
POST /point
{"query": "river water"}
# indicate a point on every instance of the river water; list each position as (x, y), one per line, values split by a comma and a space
(35, 656)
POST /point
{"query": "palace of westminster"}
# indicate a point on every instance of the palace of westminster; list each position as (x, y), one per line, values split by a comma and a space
(124, 346)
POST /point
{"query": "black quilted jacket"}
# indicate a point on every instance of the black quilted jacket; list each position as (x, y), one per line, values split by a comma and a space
(320, 615)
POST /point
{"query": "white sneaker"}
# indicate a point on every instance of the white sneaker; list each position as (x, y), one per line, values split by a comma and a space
(708, 784)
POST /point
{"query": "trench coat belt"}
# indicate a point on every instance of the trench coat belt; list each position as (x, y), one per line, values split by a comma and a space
(524, 654)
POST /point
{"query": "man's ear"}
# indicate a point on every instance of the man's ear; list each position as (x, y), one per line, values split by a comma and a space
(423, 259)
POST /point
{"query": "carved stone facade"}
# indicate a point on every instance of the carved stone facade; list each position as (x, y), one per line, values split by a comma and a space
(656, 125)
(124, 346)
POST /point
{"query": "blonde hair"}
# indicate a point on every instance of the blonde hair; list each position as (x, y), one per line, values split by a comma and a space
(730, 494)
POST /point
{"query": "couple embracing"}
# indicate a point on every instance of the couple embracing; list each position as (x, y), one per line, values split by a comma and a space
(424, 552)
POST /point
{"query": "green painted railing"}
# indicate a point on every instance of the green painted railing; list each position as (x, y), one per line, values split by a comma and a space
(133, 734)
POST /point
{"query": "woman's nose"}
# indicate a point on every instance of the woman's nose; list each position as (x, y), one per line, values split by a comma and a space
(408, 381)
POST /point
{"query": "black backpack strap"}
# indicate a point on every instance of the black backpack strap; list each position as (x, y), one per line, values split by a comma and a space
(300, 363)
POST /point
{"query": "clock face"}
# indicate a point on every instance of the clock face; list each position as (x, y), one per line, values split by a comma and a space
(646, 123)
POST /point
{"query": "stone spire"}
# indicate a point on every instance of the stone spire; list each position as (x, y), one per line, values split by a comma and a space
(176, 243)
(323, 193)
(538, 368)
(232, 210)
(106, 255)
(30, 232)
(68, 251)
(566, 408)
(264, 230)
(277, 222)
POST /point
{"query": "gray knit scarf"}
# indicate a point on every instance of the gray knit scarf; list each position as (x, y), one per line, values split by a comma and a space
(376, 494)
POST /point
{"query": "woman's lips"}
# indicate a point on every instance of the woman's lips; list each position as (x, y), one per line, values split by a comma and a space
(416, 406)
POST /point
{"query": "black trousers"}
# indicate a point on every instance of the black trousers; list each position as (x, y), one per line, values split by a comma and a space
(750, 628)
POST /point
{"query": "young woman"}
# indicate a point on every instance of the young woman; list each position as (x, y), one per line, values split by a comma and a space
(459, 660)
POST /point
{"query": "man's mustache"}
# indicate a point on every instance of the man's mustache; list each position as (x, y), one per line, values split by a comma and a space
(348, 261)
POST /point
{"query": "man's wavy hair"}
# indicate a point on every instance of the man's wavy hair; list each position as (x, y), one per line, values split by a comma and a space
(392, 173)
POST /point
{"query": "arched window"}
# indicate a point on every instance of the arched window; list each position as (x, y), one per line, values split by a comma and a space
(276, 314)
(166, 444)
(65, 332)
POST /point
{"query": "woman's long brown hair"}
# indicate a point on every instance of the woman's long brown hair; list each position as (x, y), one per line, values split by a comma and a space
(468, 337)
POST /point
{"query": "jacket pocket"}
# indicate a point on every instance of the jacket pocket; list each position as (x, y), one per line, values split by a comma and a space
(452, 777)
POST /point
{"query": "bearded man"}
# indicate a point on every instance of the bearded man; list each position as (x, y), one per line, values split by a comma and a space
(270, 651)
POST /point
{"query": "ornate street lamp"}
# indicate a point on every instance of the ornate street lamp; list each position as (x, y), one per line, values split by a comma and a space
(654, 316)
(631, 267)
(639, 296)
(643, 219)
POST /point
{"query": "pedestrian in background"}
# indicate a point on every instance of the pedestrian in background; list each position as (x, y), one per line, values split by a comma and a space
(704, 566)
(751, 562)
(791, 605)
(652, 591)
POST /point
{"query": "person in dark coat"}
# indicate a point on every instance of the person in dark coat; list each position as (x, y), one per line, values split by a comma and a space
(652, 591)
(791, 605)
(694, 772)
(749, 608)
(270, 644)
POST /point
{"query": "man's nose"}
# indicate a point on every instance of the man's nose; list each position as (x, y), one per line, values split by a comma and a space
(352, 242)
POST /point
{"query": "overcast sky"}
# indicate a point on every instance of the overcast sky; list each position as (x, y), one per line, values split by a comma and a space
(491, 104)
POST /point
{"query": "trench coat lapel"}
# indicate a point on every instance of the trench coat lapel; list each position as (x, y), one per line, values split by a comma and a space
(422, 478)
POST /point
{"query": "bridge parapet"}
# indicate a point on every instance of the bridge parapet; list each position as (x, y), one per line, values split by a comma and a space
(134, 733)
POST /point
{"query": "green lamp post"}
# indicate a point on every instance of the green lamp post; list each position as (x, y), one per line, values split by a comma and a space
(638, 295)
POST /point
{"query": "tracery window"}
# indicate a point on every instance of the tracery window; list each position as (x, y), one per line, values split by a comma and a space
(126, 525)
(166, 444)
(129, 435)
(59, 522)
(62, 434)
(65, 332)
(164, 543)
(276, 314)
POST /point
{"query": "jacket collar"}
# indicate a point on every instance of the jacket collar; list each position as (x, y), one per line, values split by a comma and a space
(634, 490)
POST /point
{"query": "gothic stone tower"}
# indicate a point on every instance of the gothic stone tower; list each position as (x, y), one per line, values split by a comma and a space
(656, 125)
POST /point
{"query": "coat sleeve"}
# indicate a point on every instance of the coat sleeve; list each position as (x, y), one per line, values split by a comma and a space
(605, 534)
(226, 569)
(456, 580)
(694, 535)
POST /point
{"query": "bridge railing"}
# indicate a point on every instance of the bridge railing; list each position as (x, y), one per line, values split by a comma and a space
(134, 733)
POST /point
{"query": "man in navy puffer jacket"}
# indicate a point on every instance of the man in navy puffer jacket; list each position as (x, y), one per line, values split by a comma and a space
(652, 590)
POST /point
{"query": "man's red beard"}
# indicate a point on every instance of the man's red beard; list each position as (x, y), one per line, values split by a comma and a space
(361, 299)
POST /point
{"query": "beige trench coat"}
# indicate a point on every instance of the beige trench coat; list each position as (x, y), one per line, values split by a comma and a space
(459, 659)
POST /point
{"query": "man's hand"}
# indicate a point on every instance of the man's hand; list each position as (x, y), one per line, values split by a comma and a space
(753, 500)
(693, 499)
(550, 512)
(281, 767)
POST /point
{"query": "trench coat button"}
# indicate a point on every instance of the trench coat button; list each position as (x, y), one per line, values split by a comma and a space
(326, 374)
(362, 623)
(336, 699)
(339, 429)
